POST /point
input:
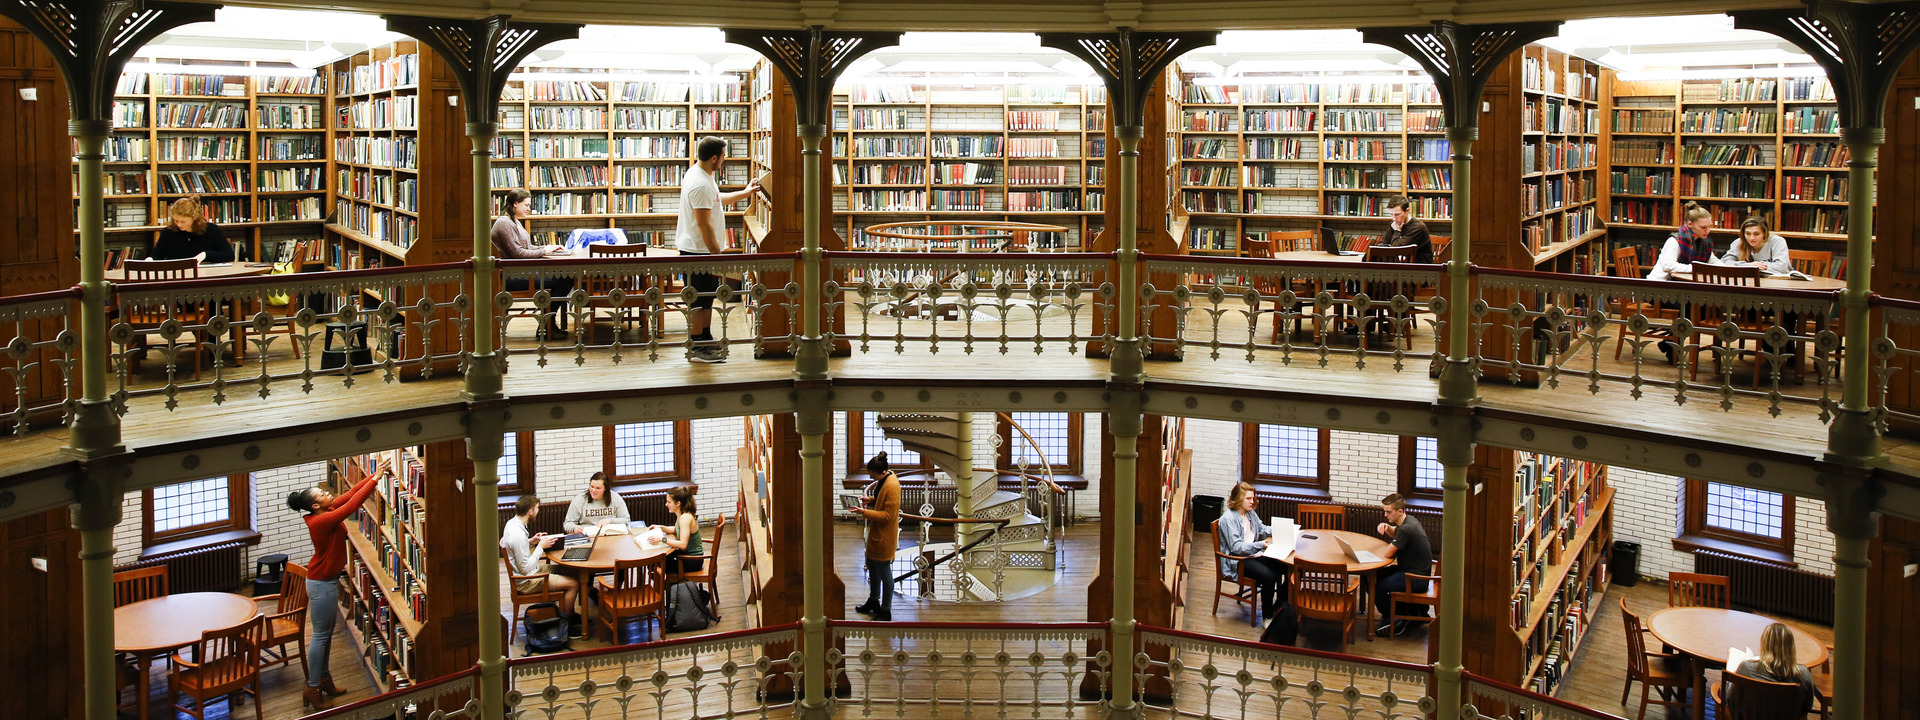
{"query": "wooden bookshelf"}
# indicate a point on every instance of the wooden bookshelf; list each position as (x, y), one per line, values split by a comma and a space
(253, 147)
(405, 633)
(1767, 146)
(926, 149)
(1562, 103)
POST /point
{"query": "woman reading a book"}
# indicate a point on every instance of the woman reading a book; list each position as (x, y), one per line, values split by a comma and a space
(1776, 663)
(189, 235)
(685, 538)
(1759, 247)
(1692, 243)
(326, 516)
(511, 240)
(596, 507)
(1242, 533)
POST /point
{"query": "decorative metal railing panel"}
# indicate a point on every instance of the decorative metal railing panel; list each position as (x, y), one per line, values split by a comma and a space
(754, 303)
(1896, 351)
(1490, 700)
(390, 320)
(1184, 674)
(448, 698)
(904, 670)
(747, 673)
(1554, 327)
(41, 356)
(1223, 304)
(977, 301)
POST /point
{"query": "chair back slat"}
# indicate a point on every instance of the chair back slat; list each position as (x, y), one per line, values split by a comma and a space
(1626, 263)
(1323, 591)
(1736, 275)
(1636, 641)
(231, 657)
(605, 250)
(1391, 253)
(1745, 698)
(1321, 517)
(1816, 263)
(293, 589)
(132, 586)
(156, 270)
(1699, 590)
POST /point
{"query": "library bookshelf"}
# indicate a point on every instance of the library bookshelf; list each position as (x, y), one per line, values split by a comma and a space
(1766, 146)
(406, 633)
(927, 149)
(1555, 516)
(253, 147)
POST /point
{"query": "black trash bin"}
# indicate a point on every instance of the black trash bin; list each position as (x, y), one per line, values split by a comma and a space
(1206, 509)
(1624, 565)
(266, 574)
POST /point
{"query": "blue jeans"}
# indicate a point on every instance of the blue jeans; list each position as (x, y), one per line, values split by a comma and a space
(880, 584)
(323, 608)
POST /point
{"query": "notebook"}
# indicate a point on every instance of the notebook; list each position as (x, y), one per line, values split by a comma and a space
(1285, 536)
(577, 552)
(1355, 556)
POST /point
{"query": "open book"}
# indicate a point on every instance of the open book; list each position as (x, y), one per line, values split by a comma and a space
(610, 529)
(1790, 274)
(1285, 536)
(651, 539)
(1735, 656)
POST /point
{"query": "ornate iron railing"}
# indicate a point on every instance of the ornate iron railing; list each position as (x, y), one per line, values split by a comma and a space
(997, 300)
(922, 669)
(1184, 674)
(746, 673)
(447, 698)
(1489, 700)
(1896, 350)
(41, 355)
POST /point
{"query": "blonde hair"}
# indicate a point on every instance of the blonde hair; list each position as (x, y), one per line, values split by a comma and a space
(1694, 212)
(1240, 493)
(1745, 253)
(189, 207)
(1776, 651)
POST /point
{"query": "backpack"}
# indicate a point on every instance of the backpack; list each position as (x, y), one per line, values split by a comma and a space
(687, 604)
(1283, 629)
(546, 629)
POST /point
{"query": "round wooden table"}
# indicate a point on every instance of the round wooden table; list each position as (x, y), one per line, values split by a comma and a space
(610, 550)
(1317, 256)
(151, 628)
(1707, 633)
(1321, 548)
(207, 272)
(1786, 283)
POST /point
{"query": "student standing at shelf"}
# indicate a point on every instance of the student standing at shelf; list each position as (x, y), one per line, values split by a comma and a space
(189, 235)
(1759, 247)
(511, 240)
(685, 538)
(520, 546)
(326, 517)
(596, 506)
(1692, 243)
(702, 224)
(1405, 229)
(1242, 533)
(883, 539)
(1411, 555)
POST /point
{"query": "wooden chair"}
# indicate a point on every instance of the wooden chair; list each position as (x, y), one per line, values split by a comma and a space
(706, 575)
(546, 593)
(1279, 241)
(1244, 588)
(1626, 264)
(637, 589)
(1294, 240)
(1321, 517)
(132, 586)
(147, 319)
(1707, 318)
(1325, 592)
(1697, 590)
(1430, 598)
(1391, 253)
(1815, 263)
(288, 621)
(286, 312)
(226, 662)
(634, 286)
(1652, 670)
(1743, 698)
(1440, 245)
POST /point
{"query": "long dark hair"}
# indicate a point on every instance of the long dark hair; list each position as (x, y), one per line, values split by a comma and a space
(513, 198)
(1745, 253)
(606, 491)
(684, 496)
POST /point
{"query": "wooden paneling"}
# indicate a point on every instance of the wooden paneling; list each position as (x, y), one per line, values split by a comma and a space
(36, 192)
(40, 633)
(1152, 604)
(1896, 253)
(1893, 619)
(450, 642)
(786, 231)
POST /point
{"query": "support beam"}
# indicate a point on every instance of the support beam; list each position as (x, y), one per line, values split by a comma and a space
(814, 421)
(95, 516)
(1455, 452)
(485, 444)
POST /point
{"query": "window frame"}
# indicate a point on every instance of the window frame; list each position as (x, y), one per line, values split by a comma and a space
(1076, 444)
(682, 472)
(857, 448)
(239, 513)
(1409, 462)
(1284, 485)
(523, 464)
(1695, 502)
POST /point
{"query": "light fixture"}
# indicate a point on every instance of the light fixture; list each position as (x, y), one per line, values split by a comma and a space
(1317, 80)
(625, 76)
(1803, 71)
(152, 67)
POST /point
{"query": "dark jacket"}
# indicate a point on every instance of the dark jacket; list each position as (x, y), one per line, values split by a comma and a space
(177, 244)
(1412, 233)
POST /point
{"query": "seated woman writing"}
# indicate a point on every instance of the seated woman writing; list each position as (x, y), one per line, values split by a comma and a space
(596, 506)
(685, 536)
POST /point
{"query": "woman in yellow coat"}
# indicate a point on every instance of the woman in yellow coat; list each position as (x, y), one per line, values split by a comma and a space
(883, 539)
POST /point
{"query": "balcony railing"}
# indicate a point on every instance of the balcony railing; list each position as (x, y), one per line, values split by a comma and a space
(746, 673)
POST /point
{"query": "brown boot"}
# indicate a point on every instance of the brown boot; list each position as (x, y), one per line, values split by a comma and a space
(317, 699)
(326, 686)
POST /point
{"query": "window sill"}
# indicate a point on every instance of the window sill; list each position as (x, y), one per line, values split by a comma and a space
(1291, 492)
(170, 547)
(1417, 502)
(1770, 556)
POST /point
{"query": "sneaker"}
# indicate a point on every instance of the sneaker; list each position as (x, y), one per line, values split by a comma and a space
(706, 355)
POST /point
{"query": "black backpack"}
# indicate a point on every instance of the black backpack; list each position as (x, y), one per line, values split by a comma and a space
(1283, 629)
(546, 629)
(687, 604)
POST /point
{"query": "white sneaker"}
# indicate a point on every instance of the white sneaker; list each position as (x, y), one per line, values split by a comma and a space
(709, 355)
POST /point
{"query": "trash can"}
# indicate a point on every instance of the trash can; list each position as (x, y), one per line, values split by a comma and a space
(1206, 509)
(1624, 565)
(266, 574)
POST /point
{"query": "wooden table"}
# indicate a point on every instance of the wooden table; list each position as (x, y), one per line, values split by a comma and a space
(1784, 283)
(1322, 549)
(610, 550)
(151, 628)
(1317, 256)
(1706, 634)
(207, 272)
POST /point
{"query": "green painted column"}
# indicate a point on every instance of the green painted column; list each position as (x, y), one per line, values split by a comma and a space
(1850, 502)
(810, 360)
(813, 420)
(1853, 438)
(99, 491)
(96, 428)
(1125, 421)
(1457, 386)
(484, 377)
(486, 442)
(1455, 450)
(1125, 365)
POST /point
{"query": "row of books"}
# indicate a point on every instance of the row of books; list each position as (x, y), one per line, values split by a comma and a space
(1727, 185)
(203, 181)
(1210, 175)
(1642, 212)
(1356, 149)
(1829, 188)
(567, 118)
(220, 148)
(390, 651)
(287, 116)
(1034, 120)
(201, 115)
(1641, 181)
(634, 118)
(379, 75)
(1814, 154)
(570, 176)
(1642, 151)
(1362, 178)
(386, 152)
(1211, 201)
(288, 209)
(1730, 120)
(1748, 154)
(1043, 200)
(1287, 120)
(1730, 90)
(387, 113)
(290, 179)
(1357, 121)
(1643, 121)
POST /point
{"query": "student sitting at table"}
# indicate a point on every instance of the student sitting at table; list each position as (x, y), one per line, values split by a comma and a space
(1692, 243)
(1411, 555)
(521, 554)
(1776, 663)
(511, 240)
(1759, 247)
(1404, 229)
(685, 538)
(596, 506)
(189, 235)
(1242, 533)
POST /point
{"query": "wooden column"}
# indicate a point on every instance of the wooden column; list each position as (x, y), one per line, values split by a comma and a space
(450, 640)
(1896, 269)
(786, 229)
(1156, 201)
(782, 600)
(1153, 603)
(36, 194)
(40, 632)
(1893, 618)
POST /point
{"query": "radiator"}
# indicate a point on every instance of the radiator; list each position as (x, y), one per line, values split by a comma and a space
(215, 568)
(1771, 588)
(1363, 519)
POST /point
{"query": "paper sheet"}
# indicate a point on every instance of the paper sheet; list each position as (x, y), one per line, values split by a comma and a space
(1735, 656)
(1286, 535)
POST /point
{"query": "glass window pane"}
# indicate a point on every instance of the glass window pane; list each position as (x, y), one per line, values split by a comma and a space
(1745, 510)
(1049, 431)
(643, 449)
(508, 468)
(1289, 451)
(1427, 474)
(874, 442)
(190, 504)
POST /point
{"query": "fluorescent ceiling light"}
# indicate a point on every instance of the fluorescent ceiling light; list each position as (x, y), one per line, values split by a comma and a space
(224, 70)
(970, 42)
(625, 77)
(1724, 73)
(1318, 80)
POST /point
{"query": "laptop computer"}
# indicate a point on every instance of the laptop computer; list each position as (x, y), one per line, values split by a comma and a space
(1330, 242)
(1355, 556)
(580, 553)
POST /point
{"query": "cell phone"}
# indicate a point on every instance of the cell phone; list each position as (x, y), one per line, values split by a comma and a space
(1311, 537)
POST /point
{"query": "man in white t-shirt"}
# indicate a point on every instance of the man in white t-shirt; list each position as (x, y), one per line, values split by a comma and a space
(702, 226)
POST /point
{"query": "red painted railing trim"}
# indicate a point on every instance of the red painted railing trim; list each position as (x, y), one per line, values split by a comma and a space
(1556, 702)
(1295, 264)
(1662, 285)
(1897, 303)
(1263, 647)
(226, 282)
(520, 263)
(383, 697)
(617, 649)
(1039, 627)
(72, 293)
(981, 256)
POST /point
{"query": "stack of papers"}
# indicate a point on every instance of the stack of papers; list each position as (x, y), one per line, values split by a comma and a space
(575, 540)
(1286, 535)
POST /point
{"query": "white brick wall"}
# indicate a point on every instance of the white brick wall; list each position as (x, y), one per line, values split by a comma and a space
(564, 459)
(281, 529)
(1812, 541)
(1646, 510)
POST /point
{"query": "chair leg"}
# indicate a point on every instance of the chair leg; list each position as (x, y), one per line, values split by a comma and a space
(257, 697)
(1625, 689)
(1643, 703)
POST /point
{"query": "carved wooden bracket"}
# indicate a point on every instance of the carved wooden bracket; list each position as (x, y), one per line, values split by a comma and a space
(482, 52)
(1860, 46)
(1129, 61)
(91, 41)
(811, 59)
(1460, 58)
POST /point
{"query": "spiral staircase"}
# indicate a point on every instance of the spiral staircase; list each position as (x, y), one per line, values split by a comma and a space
(1012, 553)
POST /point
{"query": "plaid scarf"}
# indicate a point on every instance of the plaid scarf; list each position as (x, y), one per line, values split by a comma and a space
(1694, 249)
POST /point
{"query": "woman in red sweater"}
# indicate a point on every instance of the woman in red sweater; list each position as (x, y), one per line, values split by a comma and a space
(326, 516)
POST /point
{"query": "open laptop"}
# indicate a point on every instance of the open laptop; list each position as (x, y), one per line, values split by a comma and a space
(579, 553)
(1330, 242)
(1355, 556)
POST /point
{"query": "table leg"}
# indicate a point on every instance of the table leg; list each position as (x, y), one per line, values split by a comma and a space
(1373, 586)
(1699, 700)
(140, 684)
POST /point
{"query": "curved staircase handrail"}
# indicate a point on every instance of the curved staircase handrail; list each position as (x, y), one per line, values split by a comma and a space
(955, 521)
(957, 552)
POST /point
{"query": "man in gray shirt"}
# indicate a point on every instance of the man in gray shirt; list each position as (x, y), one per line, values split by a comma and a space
(1411, 554)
